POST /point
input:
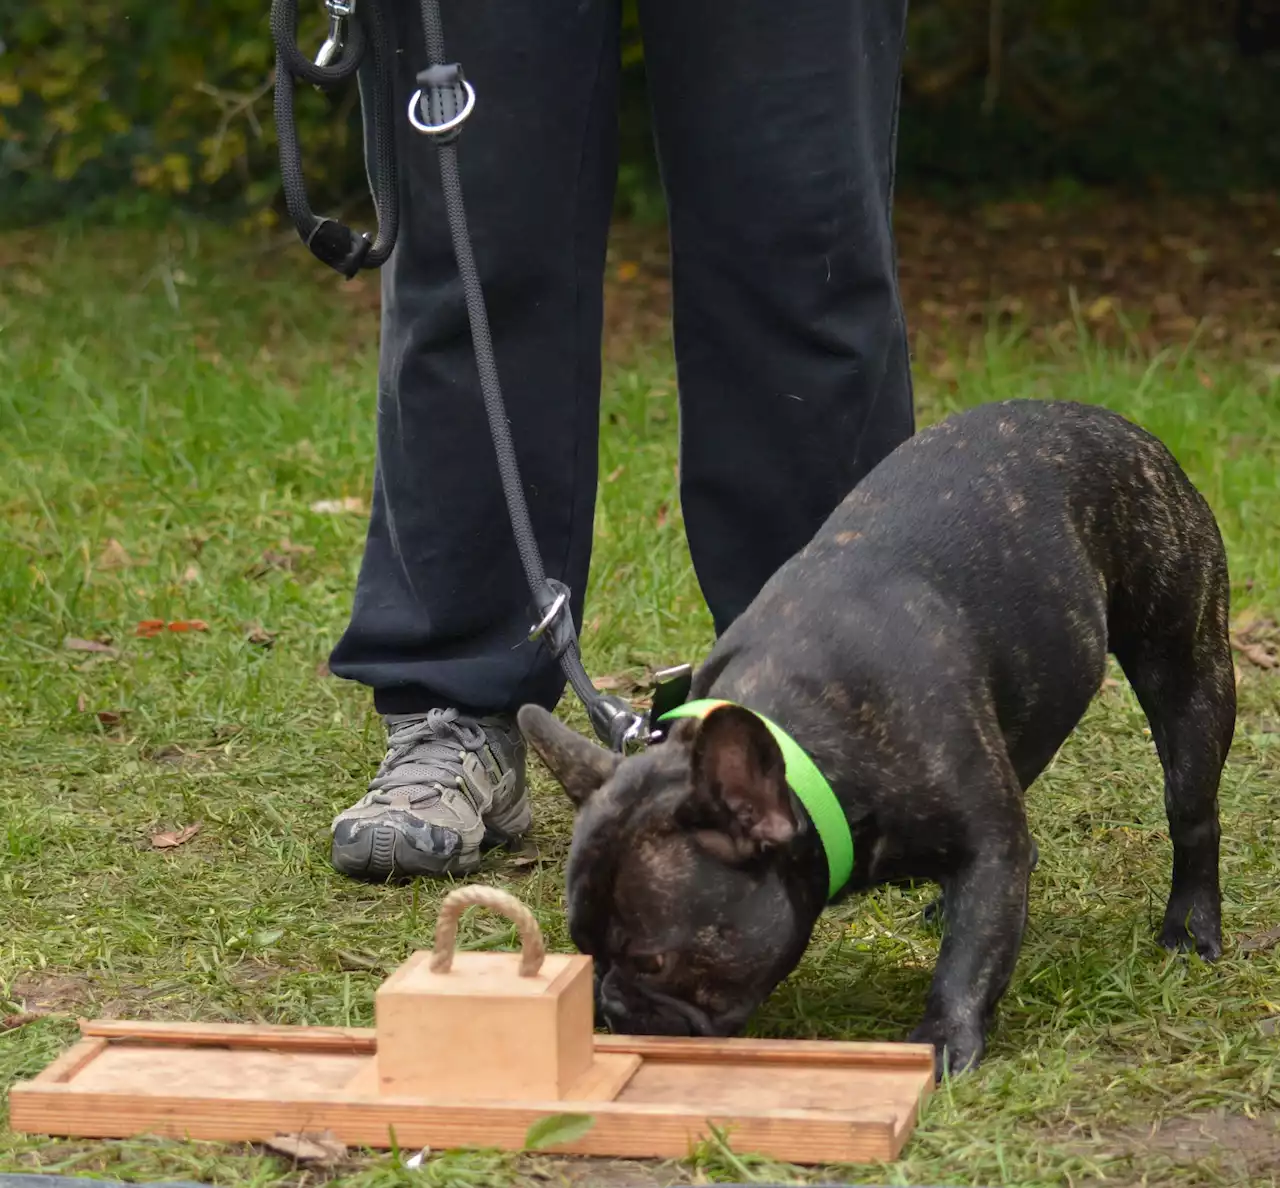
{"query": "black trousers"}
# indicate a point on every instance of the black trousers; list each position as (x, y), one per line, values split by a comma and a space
(776, 126)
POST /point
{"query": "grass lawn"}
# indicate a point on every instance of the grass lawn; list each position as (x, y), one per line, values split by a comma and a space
(170, 412)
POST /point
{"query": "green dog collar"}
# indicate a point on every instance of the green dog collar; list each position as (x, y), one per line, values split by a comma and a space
(808, 783)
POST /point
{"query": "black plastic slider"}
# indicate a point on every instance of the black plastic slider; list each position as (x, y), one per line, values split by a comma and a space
(442, 103)
(335, 244)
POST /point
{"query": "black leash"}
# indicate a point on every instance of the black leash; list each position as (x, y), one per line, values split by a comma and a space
(438, 109)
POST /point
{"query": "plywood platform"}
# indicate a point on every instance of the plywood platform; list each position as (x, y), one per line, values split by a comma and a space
(800, 1101)
(470, 1050)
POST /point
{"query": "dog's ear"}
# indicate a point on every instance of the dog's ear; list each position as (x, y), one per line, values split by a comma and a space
(579, 764)
(740, 786)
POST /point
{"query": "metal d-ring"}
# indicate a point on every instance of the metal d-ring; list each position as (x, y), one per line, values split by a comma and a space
(550, 617)
(448, 125)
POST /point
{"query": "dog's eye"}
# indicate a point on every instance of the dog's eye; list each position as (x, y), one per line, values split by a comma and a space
(649, 963)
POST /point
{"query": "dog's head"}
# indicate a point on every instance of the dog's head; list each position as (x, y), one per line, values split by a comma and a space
(683, 879)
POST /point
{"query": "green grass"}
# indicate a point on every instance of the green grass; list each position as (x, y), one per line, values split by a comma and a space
(192, 405)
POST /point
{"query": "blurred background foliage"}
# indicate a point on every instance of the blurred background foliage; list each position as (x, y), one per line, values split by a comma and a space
(120, 109)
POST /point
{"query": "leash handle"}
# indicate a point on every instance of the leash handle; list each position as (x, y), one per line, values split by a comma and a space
(356, 36)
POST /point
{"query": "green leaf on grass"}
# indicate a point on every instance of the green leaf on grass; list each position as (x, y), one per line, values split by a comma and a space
(557, 1130)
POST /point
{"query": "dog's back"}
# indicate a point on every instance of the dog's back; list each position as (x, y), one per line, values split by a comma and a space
(1033, 536)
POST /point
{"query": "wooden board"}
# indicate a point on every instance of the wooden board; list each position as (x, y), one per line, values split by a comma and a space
(801, 1101)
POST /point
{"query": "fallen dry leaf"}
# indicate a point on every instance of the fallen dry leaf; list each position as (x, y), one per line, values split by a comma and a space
(171, 840)
(1246, 621)
(111, 717)
(1259, 655)
(1258, 942)
(628, 270)
(82, 702)
(270, 560)
(661, 521)
(114, 556)
(28, 283)
(191, 574)
(1256, 638)
(149, 628)
(308, 1148)
(527, 855)
(284, 556)
(13, 1022)
(613, 681)
(259, 635)
(71, 644)
(333, 507)
(322, 669)
(1099, 309)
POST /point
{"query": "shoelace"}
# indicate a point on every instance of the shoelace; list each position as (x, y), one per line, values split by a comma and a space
(425, 754)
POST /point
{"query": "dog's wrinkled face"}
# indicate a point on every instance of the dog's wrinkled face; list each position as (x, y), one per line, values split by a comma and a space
(677, 878)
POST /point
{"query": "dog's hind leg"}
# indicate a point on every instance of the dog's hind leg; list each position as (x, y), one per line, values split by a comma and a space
(1181, 670)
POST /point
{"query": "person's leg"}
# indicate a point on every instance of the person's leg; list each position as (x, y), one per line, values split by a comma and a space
(442, 608)
(776, 127)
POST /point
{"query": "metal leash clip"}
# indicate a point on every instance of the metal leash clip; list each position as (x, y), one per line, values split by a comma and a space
(670, 689)
(340, 12)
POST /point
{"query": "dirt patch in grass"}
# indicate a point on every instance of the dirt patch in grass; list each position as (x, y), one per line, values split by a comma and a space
(84, 995)
(1248, 1147)
(1146, 273)
(115, 996)
(50, 993)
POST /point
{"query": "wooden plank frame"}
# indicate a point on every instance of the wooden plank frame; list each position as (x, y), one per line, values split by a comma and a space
(863, 1100)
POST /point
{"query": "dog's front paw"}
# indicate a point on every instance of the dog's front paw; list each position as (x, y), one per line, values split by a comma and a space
(1176, 936)
(957, 1046)
(1193, 925)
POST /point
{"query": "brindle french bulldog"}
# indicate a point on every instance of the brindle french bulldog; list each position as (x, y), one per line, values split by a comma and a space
(931, 649)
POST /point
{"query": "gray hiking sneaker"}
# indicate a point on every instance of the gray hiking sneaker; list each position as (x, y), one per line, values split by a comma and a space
(449, 788)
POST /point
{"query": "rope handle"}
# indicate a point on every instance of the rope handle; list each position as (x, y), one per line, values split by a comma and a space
(532, 950)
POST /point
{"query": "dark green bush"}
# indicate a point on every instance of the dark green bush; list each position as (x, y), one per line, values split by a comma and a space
(106, 105)
(114, 107)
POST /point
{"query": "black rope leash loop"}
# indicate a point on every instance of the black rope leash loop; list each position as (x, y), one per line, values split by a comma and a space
(356, 35)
